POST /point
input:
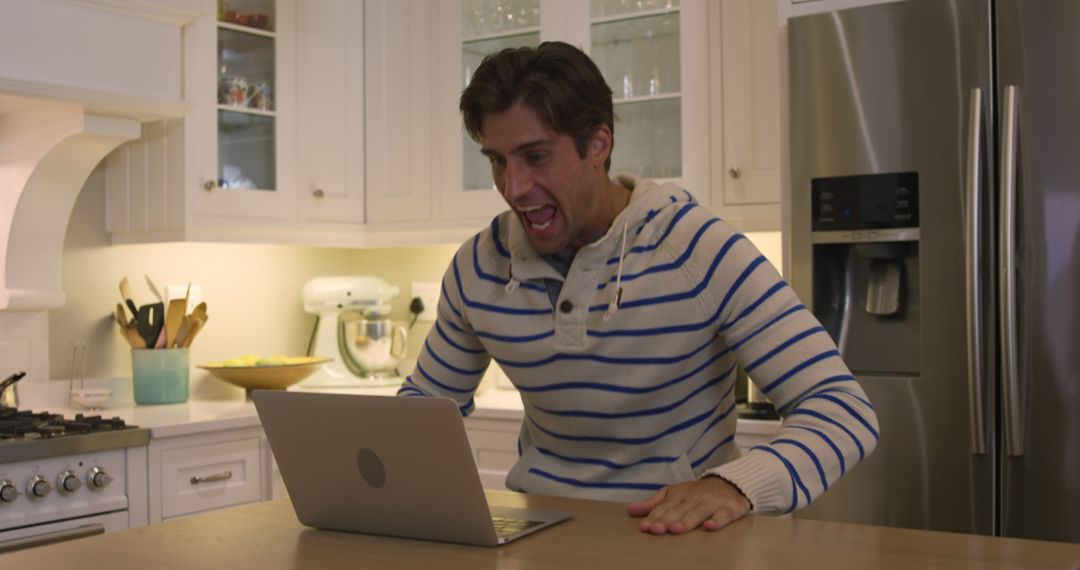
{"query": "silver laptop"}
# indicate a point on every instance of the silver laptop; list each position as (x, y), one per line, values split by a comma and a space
(386, 465)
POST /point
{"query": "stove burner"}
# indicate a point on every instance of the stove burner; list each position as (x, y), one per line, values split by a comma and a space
(25, 424)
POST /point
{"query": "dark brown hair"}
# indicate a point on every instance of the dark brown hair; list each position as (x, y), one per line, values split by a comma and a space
(556, 80)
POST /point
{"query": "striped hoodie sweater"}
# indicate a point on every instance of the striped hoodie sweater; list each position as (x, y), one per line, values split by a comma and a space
(627, 381)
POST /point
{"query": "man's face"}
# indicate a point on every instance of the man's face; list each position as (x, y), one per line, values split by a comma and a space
(554, 191)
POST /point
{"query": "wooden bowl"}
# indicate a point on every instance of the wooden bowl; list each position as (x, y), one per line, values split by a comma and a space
(268, 377)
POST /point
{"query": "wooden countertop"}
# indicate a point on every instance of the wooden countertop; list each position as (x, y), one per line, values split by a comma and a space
(600, 536)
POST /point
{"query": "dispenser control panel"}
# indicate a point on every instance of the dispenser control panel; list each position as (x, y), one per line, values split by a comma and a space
(865, 202)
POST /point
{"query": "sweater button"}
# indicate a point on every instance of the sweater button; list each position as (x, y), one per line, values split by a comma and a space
(566, 306)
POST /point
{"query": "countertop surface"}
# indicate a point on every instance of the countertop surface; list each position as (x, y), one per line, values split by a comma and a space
(599, 536)
(201, 416)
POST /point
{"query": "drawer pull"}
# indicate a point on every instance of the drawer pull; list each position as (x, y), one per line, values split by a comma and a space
(195, 480)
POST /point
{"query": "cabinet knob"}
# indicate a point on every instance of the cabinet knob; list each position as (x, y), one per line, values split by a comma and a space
(210, 185)
(734, 172)
(318, 193)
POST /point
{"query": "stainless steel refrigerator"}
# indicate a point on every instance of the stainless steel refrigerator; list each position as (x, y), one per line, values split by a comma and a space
(935, 230)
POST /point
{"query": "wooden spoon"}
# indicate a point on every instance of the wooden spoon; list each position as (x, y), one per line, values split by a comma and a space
(125, 292)
(174, 318)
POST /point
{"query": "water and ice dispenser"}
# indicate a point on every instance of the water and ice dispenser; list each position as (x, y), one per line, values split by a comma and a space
(865, 236)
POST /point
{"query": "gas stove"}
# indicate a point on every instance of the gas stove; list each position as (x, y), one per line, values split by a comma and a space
(26, 435)
(62, 477)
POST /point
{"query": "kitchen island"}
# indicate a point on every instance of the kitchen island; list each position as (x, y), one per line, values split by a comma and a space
(267, 536)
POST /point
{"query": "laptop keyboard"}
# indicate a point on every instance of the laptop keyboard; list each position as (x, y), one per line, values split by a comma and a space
(505, 527)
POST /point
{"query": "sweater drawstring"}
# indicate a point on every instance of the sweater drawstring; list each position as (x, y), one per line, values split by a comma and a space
(616, 299)
(511, 283)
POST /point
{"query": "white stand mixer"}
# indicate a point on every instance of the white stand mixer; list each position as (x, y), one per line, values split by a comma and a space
(348, 310)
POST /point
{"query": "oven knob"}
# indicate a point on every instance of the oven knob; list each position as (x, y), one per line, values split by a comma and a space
(8, 492)
(98, 478)
(38, 487)
(67, 482)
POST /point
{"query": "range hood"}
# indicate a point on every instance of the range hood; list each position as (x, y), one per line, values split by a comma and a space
(87, 75)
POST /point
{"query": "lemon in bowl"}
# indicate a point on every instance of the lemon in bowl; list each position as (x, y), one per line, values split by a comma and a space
(252, 372)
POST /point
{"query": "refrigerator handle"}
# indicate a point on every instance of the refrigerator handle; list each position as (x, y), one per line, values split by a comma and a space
(1014, 442)
(972, 249)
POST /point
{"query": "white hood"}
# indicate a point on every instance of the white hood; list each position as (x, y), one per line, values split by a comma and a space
(88, 73)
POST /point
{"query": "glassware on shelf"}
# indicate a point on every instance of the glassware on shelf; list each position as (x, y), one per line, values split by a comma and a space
(246, 123)
(255, 14)
(484, 17)
(649, 140)
(476, 170)
(613, 8)
(640, 56)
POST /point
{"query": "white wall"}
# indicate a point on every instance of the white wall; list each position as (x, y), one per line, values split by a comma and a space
(252, 291)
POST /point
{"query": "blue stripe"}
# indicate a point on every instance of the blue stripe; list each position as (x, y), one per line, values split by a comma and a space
(849, 410)
(664, 267)
(689, 294)
(741, 279)
(828, 440)
(495, 238)
(627, 440)
(442, 333)
(779, 286)
(648, 217)
(503, 338)
(442, 385)
(795, 479)
(616, 388)
(721, 417)
(836, 390)
(810, 454)
(767, 325)
(446, 297)
(806, 363)
(494, 278)
(782, 346)
(827, 419)
(727, 440)
(691, 327)
(608, 359)
(410, 390)
(605, 462)
(578, 483)
(639, 413)
(493, 308)
(451, 367)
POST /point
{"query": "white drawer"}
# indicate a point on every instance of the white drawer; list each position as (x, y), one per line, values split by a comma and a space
(494, 447)
(209, 476)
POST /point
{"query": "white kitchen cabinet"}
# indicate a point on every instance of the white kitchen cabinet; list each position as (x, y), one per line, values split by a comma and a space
(744, 76)
(658, 46)
(494, 446)
(399, 70)
(791, 8)
(330, 100)
(207, 471)
(231, 169)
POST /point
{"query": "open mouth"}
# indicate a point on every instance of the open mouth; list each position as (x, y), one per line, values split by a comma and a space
(538, 217)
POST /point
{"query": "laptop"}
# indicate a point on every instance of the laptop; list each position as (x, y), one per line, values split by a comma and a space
(386, 465)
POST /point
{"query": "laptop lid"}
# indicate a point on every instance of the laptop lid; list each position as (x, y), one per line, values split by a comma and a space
(381, 465)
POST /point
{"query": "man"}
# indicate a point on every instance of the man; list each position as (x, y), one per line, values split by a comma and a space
(619, 309)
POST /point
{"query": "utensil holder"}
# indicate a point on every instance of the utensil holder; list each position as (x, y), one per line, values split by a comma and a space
(160, 376)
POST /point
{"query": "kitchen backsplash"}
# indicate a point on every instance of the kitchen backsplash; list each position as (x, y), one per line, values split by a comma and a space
(252, 291)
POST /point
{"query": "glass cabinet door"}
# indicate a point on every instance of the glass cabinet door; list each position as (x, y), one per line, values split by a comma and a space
(246, 81)
(489, 26)
(635, 43)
